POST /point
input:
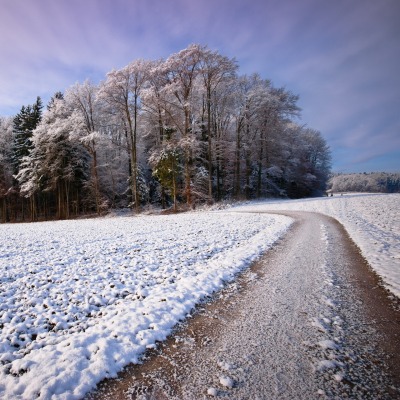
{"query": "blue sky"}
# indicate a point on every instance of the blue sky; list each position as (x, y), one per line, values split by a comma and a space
(341, 56)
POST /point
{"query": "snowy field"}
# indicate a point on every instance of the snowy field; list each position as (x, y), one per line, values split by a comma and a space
(372, 220)
(81, 299)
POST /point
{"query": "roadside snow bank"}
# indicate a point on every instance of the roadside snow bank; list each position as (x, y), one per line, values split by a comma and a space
(79, 300)
(372, 220)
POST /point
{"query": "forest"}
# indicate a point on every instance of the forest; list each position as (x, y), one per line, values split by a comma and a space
(169, 133)
(373, 182)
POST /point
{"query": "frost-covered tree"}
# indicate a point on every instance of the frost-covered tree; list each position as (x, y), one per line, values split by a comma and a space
(162, 136)
(24, 124)
(121, 91)
(83, 99)
(375, 182)
(317, 158)
(260, 115)
(181, 71)
(184, 129)
(57, 96)
(215, 71)
(57, 163)
(223, 126)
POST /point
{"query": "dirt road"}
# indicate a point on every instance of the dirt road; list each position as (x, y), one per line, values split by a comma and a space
(308, 321)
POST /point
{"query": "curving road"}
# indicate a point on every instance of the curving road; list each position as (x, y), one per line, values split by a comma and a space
(308, 321)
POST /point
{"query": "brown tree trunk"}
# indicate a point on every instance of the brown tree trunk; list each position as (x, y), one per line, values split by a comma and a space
(96, 179)
(210, 194)
(133, 154)
(259, 166)
(187, 163)
(237, 164)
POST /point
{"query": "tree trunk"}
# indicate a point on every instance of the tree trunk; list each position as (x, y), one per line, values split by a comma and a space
(132, 133)
(134, 154)
(187, 163)
(33, 207)
(259, 166)
(3, 211)
(248, 174)
(210, 194)
(66, 200)
(237, 164)
(59, 202)
(96, 179)
(174, 188)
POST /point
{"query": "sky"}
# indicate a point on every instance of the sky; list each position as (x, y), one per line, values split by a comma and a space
(342, 57)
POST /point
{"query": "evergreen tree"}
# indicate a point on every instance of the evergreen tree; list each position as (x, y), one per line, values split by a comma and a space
(57, 96)
(57, 164)
(24, 124)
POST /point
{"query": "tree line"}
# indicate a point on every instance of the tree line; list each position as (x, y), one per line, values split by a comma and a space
(373, 182)
(173, 132)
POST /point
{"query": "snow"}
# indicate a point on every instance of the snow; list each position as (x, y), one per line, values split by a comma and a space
(328, 344)
(328, 364)
(212, 392)
(372, 221)
(226, 381)
(81, 299)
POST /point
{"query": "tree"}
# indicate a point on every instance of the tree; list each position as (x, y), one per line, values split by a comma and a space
(162, 136)
(57, 96)
(317, 158)
(181, 70)
(378, 182)
(184, 129)
(84, 100)
(223, 127)
(244, 117)
(24, 124)
(57, 162)
(215, 69)
(166, 165)
(6, 179)
(122, 90)
(276, 107)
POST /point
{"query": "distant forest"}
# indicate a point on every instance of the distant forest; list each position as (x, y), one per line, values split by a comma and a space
(172, 133)
(375, 182)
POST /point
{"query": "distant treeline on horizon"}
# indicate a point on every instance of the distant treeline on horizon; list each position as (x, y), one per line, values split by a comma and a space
(372, 182)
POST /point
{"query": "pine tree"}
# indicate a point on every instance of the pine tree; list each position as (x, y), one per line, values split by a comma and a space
(24, 124)
(57, 96)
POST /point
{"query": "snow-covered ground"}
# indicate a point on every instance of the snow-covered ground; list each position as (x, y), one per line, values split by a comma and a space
(372, 220)
(81, 299)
